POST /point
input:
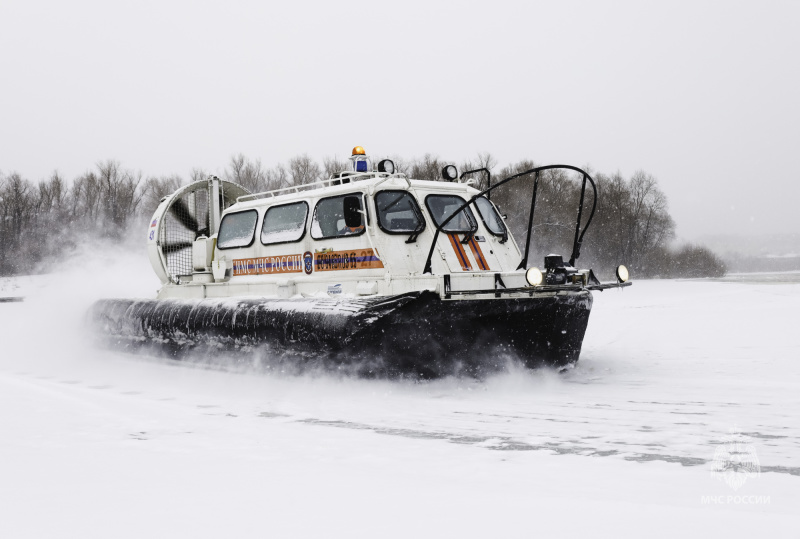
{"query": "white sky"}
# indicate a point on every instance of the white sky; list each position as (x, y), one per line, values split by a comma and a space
(703, 95)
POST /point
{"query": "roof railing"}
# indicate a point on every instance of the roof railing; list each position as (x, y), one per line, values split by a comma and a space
(339, 178)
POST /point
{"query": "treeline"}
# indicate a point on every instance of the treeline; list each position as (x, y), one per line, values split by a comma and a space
(40, 222)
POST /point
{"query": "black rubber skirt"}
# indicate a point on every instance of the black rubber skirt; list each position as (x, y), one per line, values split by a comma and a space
(416, 334)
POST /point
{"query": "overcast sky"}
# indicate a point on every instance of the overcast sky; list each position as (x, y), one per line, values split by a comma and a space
(703, 95)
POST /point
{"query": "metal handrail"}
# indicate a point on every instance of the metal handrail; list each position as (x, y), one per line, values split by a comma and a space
(488, 176)
(576, 246)
(323, 183)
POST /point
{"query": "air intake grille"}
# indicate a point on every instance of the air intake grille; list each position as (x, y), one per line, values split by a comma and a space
(185, 220)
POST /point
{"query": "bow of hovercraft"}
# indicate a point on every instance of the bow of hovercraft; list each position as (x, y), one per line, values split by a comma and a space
(368, 270)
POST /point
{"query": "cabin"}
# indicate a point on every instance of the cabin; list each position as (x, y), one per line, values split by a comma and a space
(357, 233)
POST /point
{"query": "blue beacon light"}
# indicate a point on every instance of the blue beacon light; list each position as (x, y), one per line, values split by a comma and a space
(359, 157)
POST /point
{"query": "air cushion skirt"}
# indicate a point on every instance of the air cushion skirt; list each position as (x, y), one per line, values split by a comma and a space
(417, 334)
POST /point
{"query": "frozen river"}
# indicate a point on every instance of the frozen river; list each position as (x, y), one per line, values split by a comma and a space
(676, 378)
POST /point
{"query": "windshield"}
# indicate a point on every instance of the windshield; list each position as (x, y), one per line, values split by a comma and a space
(491, 219)
(398, 212)
(443, 206)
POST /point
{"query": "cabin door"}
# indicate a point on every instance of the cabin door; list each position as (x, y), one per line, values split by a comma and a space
(462, 244)
(467, 253)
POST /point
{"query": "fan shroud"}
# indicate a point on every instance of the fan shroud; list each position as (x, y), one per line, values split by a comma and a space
(183, 217)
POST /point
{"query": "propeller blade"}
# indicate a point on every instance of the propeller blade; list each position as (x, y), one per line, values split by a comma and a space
(176, 246)
(180, 211)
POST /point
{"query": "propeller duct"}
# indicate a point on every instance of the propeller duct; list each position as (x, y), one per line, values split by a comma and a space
(182, 217)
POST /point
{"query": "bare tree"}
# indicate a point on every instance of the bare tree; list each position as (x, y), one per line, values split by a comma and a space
(119, 191)
(332, 165)
(155, 189)
(401, 165)
(198, 174)
(249, 174)
(427, 168)
(52, 194)
(649, 225)
(277, 177)
(235, 170)
(303, 170)
(16, 213)
(17, 203)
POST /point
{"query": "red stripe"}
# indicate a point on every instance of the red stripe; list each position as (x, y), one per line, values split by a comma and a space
(460, 253)
(476, 251)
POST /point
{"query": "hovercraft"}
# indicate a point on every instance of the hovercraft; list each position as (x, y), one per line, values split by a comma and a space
(369, 269)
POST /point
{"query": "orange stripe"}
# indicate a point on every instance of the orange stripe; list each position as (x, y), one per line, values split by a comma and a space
(461, 255)
(478, 254)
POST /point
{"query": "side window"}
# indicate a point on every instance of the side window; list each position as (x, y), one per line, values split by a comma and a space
(443, 206)
(237, 229)
(491, 219)
(285, 223)
(337, 217)
(399, 213)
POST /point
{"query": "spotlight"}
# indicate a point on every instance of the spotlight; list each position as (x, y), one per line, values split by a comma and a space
(622, 274)
(533, 276)
(387, 165)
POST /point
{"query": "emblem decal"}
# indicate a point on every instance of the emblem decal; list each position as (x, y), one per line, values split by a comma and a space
(308, 262)
(335, 289)
(735, 460)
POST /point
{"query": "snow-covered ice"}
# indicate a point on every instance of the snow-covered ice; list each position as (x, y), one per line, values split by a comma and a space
(99, 444)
